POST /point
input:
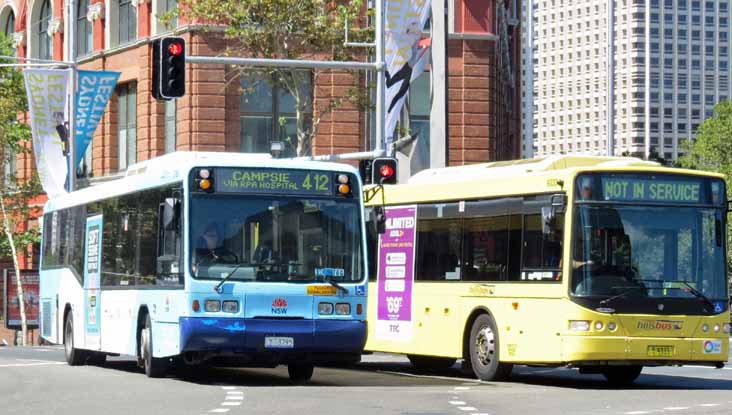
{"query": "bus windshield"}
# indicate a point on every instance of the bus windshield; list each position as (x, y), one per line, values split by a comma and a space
(648, 251)
(275, 238)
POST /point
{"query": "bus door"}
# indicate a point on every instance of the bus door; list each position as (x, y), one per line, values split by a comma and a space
(92, 283)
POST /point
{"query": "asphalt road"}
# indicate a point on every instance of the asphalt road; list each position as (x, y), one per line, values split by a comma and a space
(37, 381)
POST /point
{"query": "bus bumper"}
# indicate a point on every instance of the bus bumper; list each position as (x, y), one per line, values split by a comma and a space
(648, 351)
(202, 334)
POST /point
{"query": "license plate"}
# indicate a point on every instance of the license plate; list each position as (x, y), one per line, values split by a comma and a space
(279, 342)
(660, 351)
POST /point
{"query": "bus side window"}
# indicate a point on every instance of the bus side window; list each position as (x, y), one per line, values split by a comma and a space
(541, 251)
(168, 266)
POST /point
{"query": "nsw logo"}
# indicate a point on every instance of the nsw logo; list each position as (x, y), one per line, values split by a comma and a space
(279, 306)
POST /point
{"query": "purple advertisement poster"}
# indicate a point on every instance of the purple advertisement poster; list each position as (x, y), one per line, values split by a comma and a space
(396, 274)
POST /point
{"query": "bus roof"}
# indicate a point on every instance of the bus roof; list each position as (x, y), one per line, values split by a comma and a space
(174, 167)
(503, 178)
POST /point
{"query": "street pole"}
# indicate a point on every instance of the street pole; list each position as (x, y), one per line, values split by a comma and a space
(610, 77)
(71, 4)
(380, 79)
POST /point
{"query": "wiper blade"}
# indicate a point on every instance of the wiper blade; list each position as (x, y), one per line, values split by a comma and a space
(623, 293)
(218, 286)
(333, 283)
(698, 294)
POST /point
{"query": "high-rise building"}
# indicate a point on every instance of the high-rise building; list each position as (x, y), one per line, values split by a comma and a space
(671, 66)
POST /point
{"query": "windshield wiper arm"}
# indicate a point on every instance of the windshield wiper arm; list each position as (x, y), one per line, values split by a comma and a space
(218, 286)
(333, 283)
(623, 293)
(698, 294)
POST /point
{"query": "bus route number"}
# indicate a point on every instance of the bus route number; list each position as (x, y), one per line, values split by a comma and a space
(318, 182)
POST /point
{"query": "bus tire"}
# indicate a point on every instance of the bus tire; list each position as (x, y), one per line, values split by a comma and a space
(154, 367)
(484, 350)
(74, 356)
(300, 372)
(430, 363)
(622, 375)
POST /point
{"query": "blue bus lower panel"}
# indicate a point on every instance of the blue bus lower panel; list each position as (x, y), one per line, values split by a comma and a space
(200, 334)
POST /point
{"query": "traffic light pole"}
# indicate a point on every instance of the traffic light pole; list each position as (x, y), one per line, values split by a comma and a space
(71, 4)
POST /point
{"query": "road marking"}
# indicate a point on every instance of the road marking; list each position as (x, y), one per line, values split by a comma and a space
(709, 404)
(637, 412)
(219, 410)
(676, 408)
(231, 403)
(228, 388)
(462, 388)
(235, 393)
(234, 398)
(32, 364)
(457, 402)
(467, 408)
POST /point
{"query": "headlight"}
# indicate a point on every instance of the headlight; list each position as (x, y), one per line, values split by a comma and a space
(343, 309)
(705, 327)
(325, 308)
(598, 325)
(212, 306)
(579, 325)
(611, 326)
(230, 306)
(716, 328)
(727, 328)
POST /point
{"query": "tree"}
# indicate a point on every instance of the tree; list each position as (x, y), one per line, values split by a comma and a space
(285, 29)
(712, 149)
(15, 193)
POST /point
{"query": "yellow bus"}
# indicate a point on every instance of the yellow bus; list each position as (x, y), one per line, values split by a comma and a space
(604, 264)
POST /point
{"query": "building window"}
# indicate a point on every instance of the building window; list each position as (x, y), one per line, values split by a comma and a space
(43, 42)
(170, 130)
(127, 124)
(10, 167)
(419, 122)
(127, 22)
(8, 27)
(268, 113)
(84, 42)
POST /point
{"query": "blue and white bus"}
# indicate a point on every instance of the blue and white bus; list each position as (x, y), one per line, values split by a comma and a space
(222, 258)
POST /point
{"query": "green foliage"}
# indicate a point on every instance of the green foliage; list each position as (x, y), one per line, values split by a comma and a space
(712, 149)
(285, 29)
(14, 140)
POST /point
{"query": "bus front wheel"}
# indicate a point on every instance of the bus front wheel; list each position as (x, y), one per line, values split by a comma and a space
(484, 349)
(622, 375)
(154, 367)
(74, 356)
(300, 372)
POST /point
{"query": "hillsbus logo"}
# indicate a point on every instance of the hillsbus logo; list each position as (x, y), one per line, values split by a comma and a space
(279, 306)
(660, 325)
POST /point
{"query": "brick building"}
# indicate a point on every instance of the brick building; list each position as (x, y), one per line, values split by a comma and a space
(216, 115)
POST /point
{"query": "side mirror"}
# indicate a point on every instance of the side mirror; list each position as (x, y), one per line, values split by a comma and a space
(559, 203)
(171, 213)
(378, 219)
(548, 217)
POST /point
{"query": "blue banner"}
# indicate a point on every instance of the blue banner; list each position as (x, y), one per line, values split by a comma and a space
(95, 88)
(92, 282)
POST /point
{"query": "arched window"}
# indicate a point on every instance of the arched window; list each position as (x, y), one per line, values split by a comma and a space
(43, 42)
(8, 26)
(84, 42)
(127, 22)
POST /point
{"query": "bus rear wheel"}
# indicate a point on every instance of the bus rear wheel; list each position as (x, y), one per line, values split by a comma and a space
(154, 367)
(74, 356)
(622, 375)
(300, 372)
(430, 363)
(484, 350)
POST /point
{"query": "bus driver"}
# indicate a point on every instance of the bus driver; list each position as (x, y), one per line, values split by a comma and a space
(210, 248)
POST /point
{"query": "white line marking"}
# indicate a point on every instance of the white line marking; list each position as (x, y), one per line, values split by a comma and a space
(234, 398)
(637, 412)
(467, 408)
(676, 408)
(33, 364)
(235, 393)
(709, 404)
(228, 388)
(462, 388)
(219, 410)
(231, 403)
(480, 414)
(457, 403)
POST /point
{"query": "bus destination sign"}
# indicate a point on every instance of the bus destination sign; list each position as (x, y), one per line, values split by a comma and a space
(268, 180)
(651, 190)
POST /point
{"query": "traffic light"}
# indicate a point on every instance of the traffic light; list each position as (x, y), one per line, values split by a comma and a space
(384, 170)
(169, 64)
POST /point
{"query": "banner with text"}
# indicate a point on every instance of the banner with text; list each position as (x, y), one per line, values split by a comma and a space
(11, 312)
(47, 98)
(405, 55)
(395, 274)
(95, 88)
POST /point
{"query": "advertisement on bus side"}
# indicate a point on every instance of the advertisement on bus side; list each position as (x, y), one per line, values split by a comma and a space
(396, 274)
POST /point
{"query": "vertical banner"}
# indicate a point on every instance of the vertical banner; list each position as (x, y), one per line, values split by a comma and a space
(95, 88)
(46, 90)
(92, 282)
(395, 274)
(405, 55)
(29, 279)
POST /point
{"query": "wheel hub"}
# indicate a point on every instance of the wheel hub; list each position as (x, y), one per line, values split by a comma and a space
(485, 345)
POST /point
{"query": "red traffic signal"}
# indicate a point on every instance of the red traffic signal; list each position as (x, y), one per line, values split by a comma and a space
(175, 48)
(384, 170)
(169, 75)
